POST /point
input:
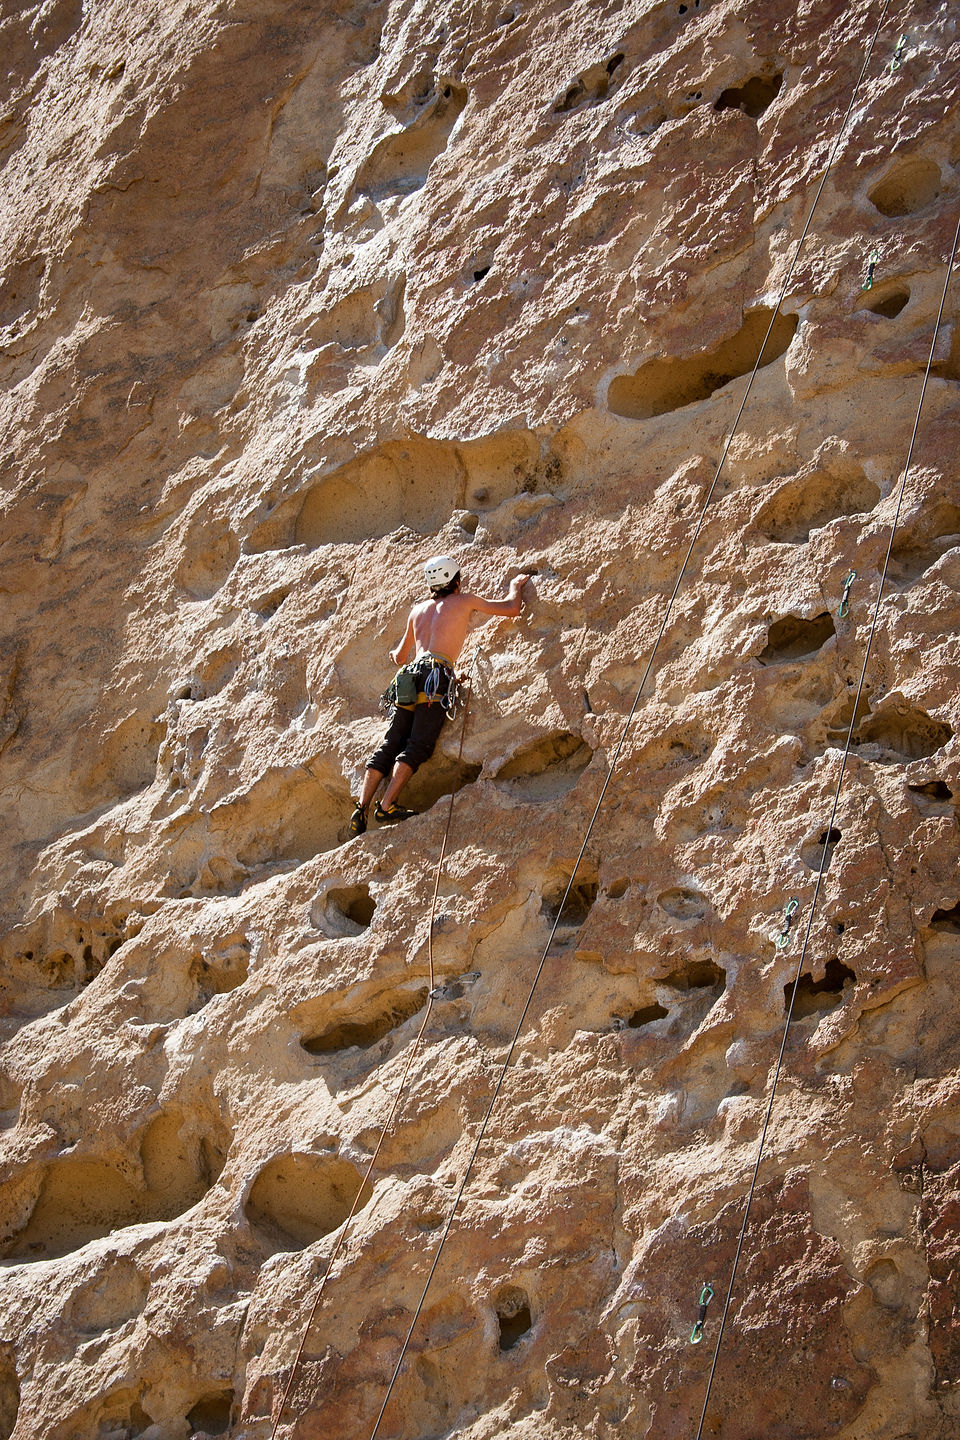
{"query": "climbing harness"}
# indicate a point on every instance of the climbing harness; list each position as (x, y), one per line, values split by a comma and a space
(706, 1295)
(898, 54)
(433, 994)
(781, 938)
(822, 868)
(624, 732)
(422, 676)
(844, 609)
(873, 260)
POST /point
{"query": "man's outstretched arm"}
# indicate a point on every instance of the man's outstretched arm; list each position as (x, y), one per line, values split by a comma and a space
(511, 606)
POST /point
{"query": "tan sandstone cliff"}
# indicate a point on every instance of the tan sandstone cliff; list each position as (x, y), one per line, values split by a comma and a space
(292, 296)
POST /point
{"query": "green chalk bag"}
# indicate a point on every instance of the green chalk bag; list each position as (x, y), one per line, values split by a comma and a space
(404, 688)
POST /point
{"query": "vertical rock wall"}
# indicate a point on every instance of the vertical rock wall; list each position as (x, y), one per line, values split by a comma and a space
(291, 297)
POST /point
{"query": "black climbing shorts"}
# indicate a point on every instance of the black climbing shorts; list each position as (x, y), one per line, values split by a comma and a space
(413, 732)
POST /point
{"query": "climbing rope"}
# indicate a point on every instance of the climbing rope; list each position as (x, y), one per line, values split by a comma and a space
(431, 997)
(826, 840)
(668, 611)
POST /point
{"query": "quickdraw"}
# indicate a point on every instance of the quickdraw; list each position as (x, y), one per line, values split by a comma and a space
(873, 260)
(706, 1295)
(781, 938)
(844, 609)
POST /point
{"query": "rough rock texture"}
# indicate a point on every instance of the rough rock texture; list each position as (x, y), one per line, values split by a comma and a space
(292, 296)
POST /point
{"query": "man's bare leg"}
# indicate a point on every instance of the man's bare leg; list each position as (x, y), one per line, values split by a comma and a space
(401, 774)
(372, 781)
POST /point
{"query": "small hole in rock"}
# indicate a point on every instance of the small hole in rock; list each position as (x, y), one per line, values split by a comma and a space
(646, 1015)
(816, 997)
(909, 185)
(269, 604)
(791, 638)
(545, 768)
(812, 853)
(697, 975)
(618, 889)
(683, 904)
(469, 523)
(904, 732)
(211, 1415)
(888, 305)
(578, 905)
(85, 1199)
(885, 1281)
(663, 385)
(217, 974)
(947, 920)
(513, 1316)
(935, 790)
(298, 1198)
(479, 274)
(376, 1020)
(812, 501)
(753, 97)
(348, 910)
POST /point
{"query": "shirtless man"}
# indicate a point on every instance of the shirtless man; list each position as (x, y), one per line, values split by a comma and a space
(431, 645)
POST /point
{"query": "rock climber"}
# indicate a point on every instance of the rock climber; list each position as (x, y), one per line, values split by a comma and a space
(427, 654)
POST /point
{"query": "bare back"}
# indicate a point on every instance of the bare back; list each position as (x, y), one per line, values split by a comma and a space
(440, 626)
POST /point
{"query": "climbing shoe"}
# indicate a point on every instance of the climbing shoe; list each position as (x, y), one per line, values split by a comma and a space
(393, 815)
(358, 821)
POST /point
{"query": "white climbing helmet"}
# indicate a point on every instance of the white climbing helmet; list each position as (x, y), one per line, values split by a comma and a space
(440, 571)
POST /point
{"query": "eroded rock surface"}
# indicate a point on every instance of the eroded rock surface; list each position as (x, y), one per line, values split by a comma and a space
(291, 297)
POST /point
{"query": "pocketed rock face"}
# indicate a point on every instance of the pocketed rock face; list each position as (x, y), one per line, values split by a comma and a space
(293, 296)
